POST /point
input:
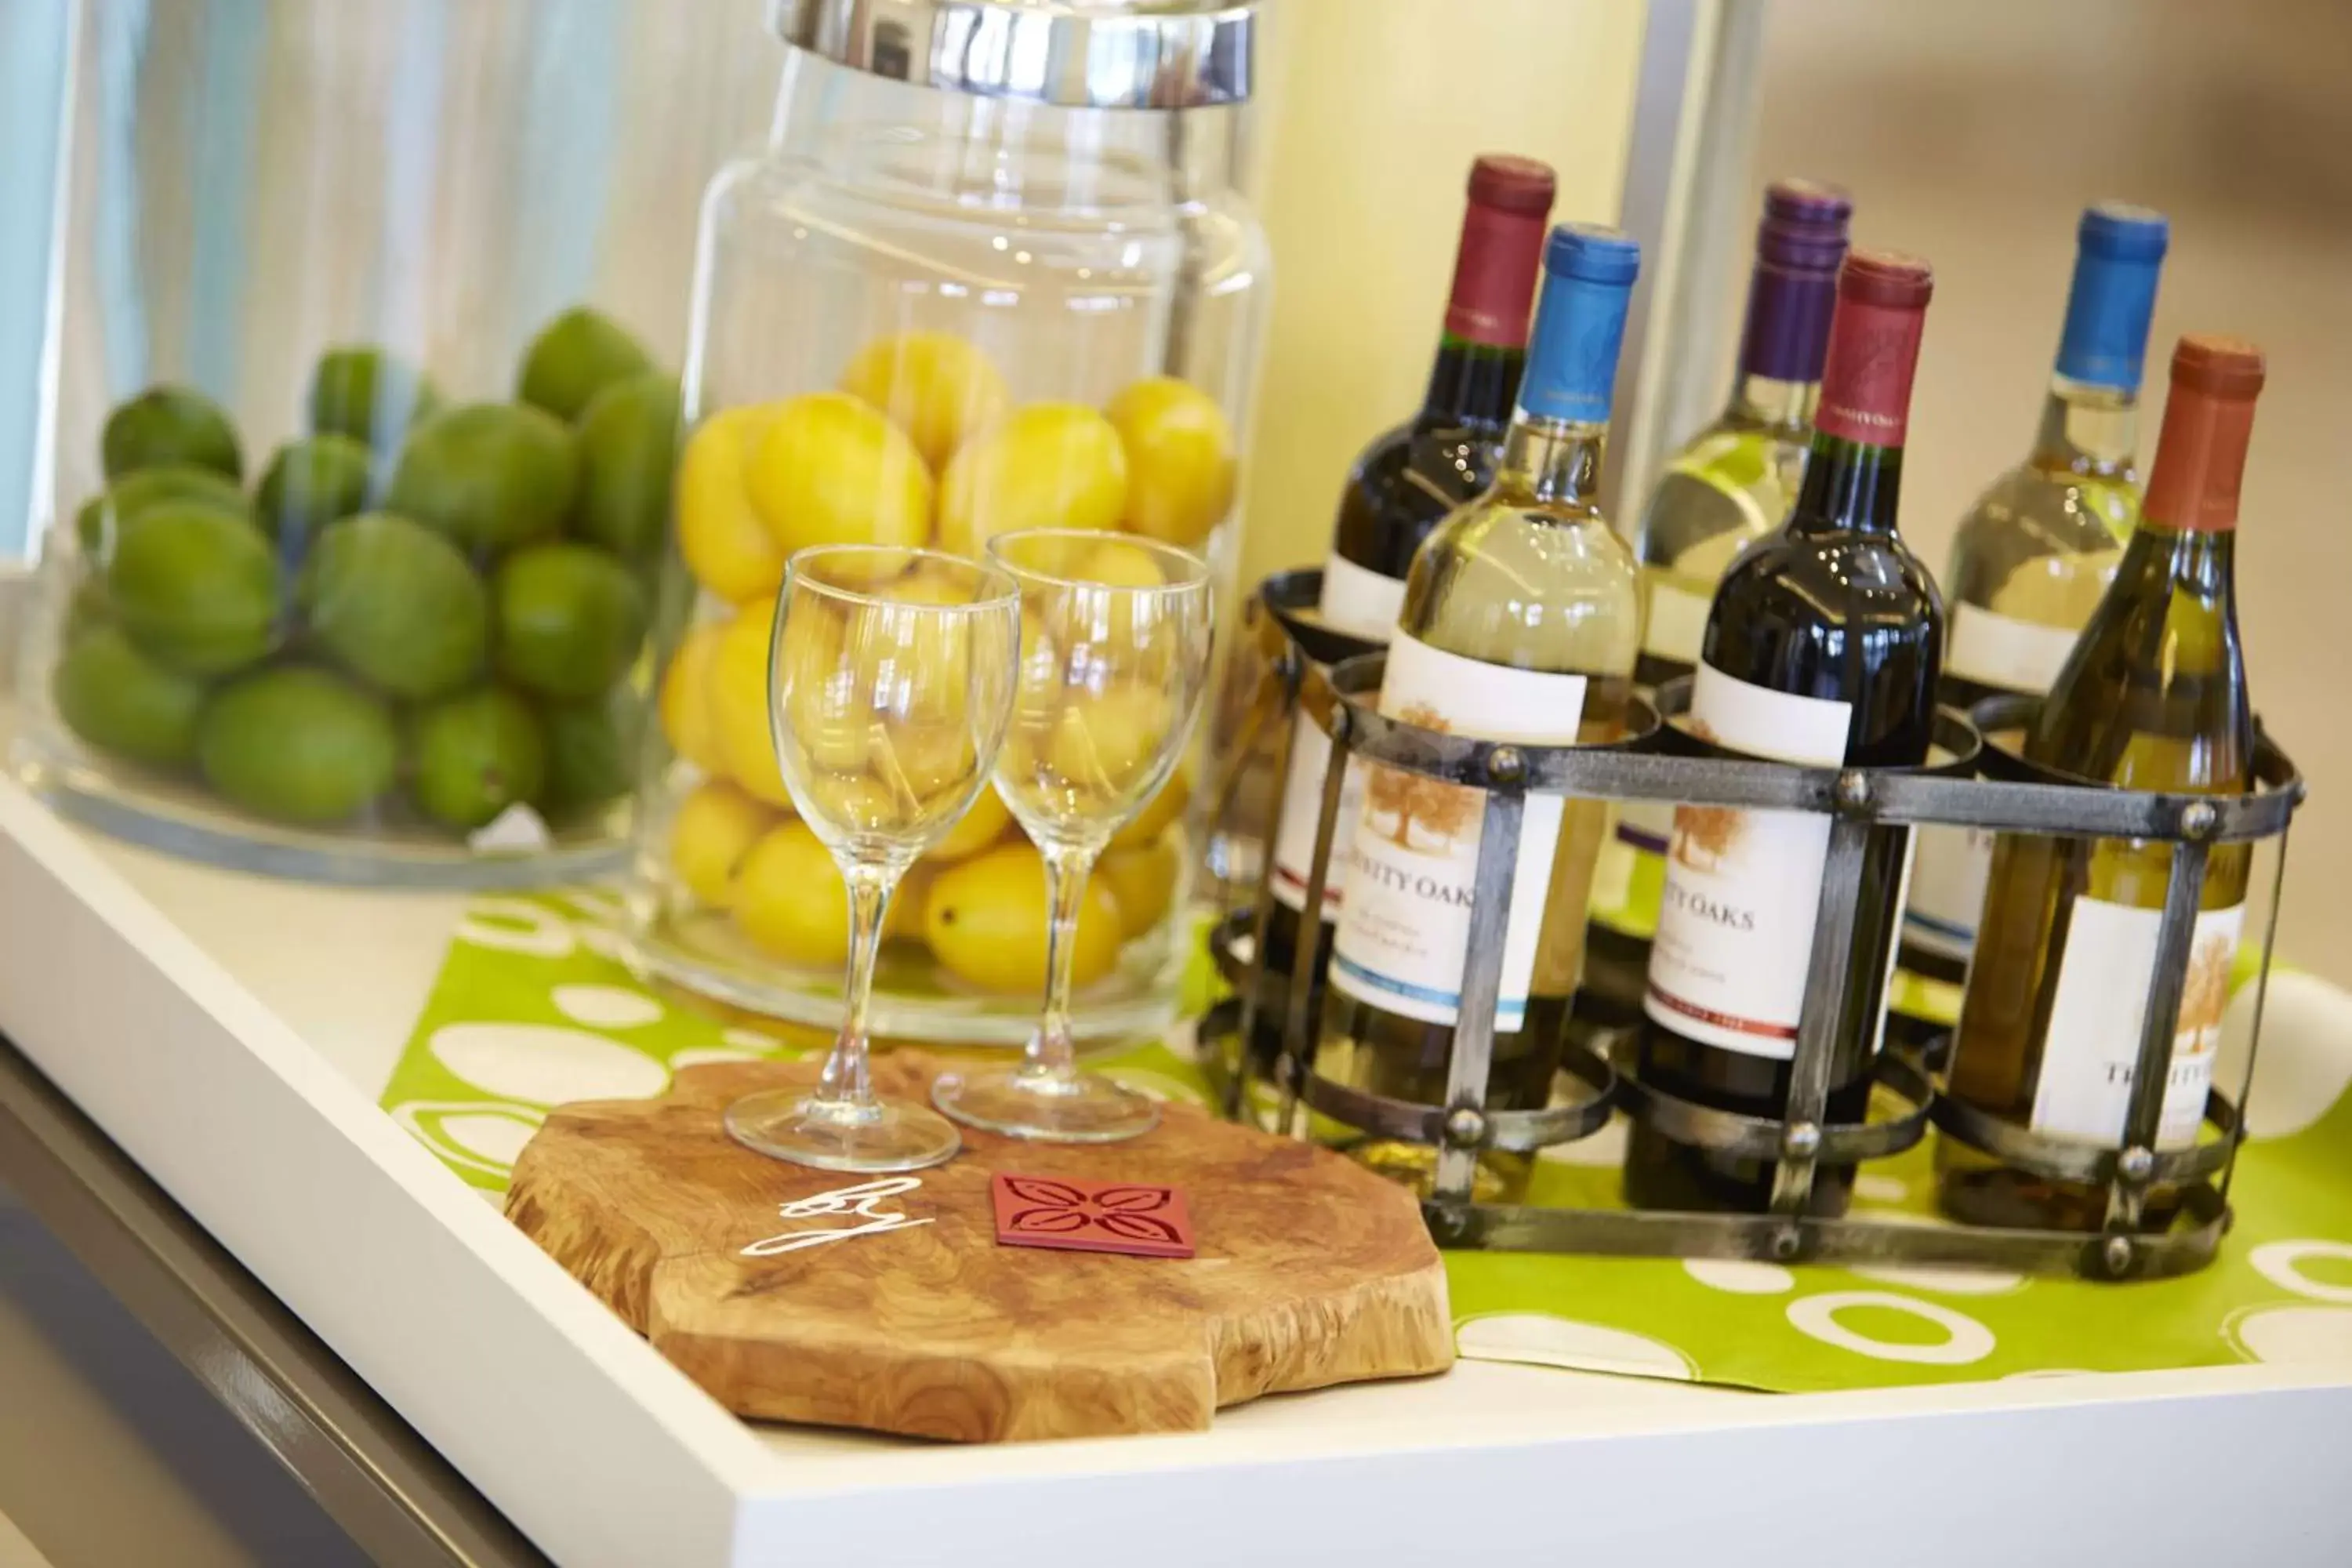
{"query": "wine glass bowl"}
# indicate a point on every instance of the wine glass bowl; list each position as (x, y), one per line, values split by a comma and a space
(890, 685)
(1115, 636)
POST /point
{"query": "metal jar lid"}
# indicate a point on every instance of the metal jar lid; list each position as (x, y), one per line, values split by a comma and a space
(1076, 53)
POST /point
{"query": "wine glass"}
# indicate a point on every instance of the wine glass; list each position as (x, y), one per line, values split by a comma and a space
(1114, 655)
(890, 678)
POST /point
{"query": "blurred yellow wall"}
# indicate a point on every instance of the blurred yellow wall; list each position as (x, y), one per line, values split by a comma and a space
(1379, 107)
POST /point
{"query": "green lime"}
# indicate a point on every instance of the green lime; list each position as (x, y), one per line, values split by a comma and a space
(309, 484)
(165, 426)
(196, 587)
(103, 517)
(367, 394)
(120, 701)
(574, 357)
(297, 744)
(489, 475)
(628, 447)
(589, 759)
(569, 618)
(396, 604)
(88, 609)
(474, 756)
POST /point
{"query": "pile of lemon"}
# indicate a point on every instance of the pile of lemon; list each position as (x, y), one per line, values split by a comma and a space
(920, 444)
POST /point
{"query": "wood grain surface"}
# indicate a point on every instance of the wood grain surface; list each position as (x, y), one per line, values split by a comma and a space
(1310, 1271)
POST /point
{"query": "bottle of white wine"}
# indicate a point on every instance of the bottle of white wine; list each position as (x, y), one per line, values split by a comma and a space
(2153, 696)
(2032, 557)
(1522, 619)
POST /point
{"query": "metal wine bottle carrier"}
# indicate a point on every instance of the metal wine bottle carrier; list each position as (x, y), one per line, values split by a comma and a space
(1982, 786)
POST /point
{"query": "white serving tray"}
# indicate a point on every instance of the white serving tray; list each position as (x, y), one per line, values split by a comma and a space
(232, 1034)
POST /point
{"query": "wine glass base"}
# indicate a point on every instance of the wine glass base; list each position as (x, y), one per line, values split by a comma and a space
(791, 1124)
(1030, 1103)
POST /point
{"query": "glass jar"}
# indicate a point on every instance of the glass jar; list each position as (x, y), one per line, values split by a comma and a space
(990, 273)
(364, 409)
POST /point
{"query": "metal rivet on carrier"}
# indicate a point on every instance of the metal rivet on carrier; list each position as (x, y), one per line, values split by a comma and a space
(1854, 789)
(1465, 1125)
(2116, 1255)
(1801, 1141)
(2198, 818)
(2135, 1165)
(1506, 765)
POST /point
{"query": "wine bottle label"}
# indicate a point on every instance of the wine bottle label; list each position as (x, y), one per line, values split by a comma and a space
(1947, 886)
(2002, 651)
(1742, 887)
(1302, 807)
(1677, 622)
(2099, 1008)
(1413, 862)
(1359, 600)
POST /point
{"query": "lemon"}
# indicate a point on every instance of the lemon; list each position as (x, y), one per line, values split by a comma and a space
(790, 898)
(827, 719)
(986, 921)
(1049, 465)
(686, 708)
(739, 709)
(1179, 457)
(903, 919)
(936, 387)
(1158, 812)
(726, 546)
(1103, 741)
(832, 471)
(982, 825)
(1143, 880)
(709, 839)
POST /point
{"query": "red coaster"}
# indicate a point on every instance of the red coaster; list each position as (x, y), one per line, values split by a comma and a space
(1131, 1218)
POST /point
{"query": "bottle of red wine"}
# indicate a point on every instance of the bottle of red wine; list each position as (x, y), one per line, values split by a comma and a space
(1822, 646)
(1411, 477)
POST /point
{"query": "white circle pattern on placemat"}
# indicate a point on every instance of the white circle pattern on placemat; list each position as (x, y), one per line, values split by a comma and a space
(498, 1139)
(483, 1136)
(1954, 1280)
(516, 925)
(1967, 1340)
(1156, 1086)
(1881, 1188)
(752, 1040)
(544, 1064)
(1741, 1275)
(607, 1006)
(1604, 1148)
(1543, 1340)
(2294, 1334)
(2280, 1263)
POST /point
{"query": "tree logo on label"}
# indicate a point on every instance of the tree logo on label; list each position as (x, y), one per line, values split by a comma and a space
(1704, 834)
(2205, 992)
(1420, 815)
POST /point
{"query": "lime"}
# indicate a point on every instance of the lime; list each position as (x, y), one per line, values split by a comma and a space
(489, 475)
(196, 587)
(165, 426)
(590, 759)
(103, 517)
(574, 357)
(474, 756)
(120, 701)
(569, 619)
(396, 604)
(367, 394)
(297, 744)
(308, 485)
(628, 449)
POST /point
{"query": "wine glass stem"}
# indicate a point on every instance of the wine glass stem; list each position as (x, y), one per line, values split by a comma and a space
(847, 1088)
(1051, 1051)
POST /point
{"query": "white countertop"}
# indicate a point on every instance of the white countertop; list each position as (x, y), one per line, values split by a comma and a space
(232, 1035)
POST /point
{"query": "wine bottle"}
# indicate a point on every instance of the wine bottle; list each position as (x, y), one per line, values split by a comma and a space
(1821, 648)
(1734, 482)
(1521, 621)
(1408, 480)
(2033, 555)
(2153, 696)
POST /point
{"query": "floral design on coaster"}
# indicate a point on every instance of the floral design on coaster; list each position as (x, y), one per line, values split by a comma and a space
(1132, 1217)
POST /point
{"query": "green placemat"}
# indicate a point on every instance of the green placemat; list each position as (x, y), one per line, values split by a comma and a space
(532, 1009)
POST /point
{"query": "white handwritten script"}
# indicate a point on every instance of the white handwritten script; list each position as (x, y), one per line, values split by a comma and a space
(860, 1200)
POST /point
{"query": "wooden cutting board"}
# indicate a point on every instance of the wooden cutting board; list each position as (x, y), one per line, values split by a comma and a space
(1309, 1270)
